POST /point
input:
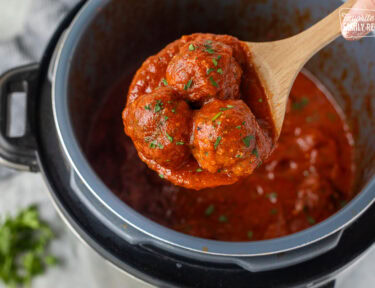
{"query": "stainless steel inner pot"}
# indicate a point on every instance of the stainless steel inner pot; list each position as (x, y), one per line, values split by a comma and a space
(110, 39)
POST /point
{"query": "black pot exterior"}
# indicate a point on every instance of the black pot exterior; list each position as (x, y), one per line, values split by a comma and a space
(157, 266)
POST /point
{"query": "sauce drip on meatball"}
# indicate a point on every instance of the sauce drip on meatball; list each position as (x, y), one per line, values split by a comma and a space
(159, 125)
(191, 116)
(227, 138)
(203, 70)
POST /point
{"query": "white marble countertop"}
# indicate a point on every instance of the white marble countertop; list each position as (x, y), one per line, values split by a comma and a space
(22, 40)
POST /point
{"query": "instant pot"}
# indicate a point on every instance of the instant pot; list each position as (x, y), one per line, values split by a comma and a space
(99, 42)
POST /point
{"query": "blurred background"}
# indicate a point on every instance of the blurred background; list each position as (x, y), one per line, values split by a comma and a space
(25, 28)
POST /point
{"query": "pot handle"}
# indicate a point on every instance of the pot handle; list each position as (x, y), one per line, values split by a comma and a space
(18, 152)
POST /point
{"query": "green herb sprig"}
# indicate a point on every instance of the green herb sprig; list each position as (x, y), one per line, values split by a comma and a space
(23, 248)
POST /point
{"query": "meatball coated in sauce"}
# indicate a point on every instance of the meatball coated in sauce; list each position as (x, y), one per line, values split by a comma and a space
(205, 69)
(159, 125)
(199, 68)
(227, 138)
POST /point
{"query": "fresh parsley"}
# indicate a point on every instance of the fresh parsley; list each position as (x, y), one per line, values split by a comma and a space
(246, 140)
(213, 82)
(217, 142)
(23, 248)
(216, 116)
(210, 209)
(188, 84)
(164, 82)
(299, 105)
(170, 138)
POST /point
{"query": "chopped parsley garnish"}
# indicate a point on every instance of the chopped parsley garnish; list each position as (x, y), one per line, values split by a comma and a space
(217, 142)
(260, 100)
(170, 138)
(238, 127)
(238, 156)
(199, 170)
(214, 61)
(218, 57)
(299, 105)
(180, 143)
(273, 211)
(223, 218)
(311, 220)
(191, 47)
(164, 82)
(213, 82)
(255, 152)
(216, 116)
(272, 196)
(210, 70)
(246, 140)
(226, 108)
(209, 49)
(148, 107)
(250, 234)
(158, 106)
(165, 118)
(154, 145)
(188, 84)
(209, 41)
(259, 164)
(23, 248)
(210, 209)
(173, 110)
(161, 176)
(220, 71)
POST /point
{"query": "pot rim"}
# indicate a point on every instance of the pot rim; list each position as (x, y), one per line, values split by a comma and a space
(130, 216)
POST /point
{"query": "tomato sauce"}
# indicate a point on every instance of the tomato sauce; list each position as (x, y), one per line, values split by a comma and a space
(211, 73)
(307, 178)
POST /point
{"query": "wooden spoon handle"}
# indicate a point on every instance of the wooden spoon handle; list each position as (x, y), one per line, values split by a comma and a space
(295, 51)
(320, 34)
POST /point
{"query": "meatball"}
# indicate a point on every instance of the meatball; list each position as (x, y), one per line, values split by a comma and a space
(205, 69)
(227, 138)
(159, 125)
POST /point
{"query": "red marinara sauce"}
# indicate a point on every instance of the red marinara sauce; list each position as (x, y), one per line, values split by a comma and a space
(307, 178)
(197, 113)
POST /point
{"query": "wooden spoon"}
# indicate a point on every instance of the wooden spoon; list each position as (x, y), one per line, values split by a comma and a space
(277, 63)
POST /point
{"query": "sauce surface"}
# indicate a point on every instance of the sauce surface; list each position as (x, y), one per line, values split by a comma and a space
(307, 178)
(197, 113)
